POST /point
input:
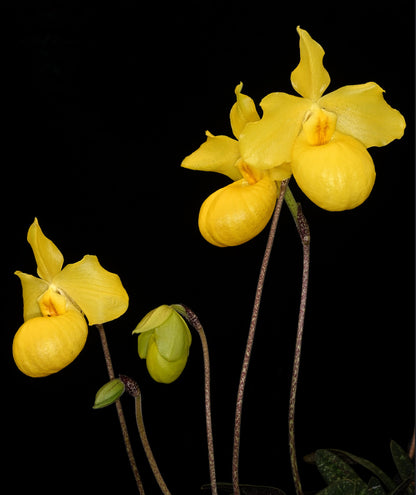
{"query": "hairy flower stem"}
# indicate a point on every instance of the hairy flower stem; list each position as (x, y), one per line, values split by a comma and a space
(146, 445)
(250, 339)
(194, 321)
(304, 233)
(120, 412)
(133, 389)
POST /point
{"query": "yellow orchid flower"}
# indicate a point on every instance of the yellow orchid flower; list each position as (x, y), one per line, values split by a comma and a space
(323, 137)
(54, 329)
(239, 211)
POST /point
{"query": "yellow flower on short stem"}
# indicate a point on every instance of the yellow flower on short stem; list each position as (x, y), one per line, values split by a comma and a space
(325, 138)
(239, 211)
(54, 304)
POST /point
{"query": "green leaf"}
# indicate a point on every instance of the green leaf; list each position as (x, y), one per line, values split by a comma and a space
(403, 487)
(109, 393)
(401, 460)
(344, 487)
(226, 488)
(333, 468)
(386, 480)
(375, 487)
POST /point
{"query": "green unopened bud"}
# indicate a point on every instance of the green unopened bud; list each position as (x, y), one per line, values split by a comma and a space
(109, 393)
(164, 342)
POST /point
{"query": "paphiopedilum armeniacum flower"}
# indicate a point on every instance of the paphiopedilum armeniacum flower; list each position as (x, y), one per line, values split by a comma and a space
(324, 138)
(239, 211)
(54, 304)
(164, 341)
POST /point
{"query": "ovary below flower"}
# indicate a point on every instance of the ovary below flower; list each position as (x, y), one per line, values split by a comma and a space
(239, 211)
(323, 137)
(54, 329)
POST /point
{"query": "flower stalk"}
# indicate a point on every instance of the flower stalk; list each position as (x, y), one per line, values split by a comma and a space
(120, 413)
(133, 389)
(250, 339)
(304, 233)
(194, 321)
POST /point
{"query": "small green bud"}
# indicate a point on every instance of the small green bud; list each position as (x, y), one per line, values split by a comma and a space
(164, 342)
(109, 393)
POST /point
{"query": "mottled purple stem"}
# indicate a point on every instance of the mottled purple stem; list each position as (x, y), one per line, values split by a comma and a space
(194, 321)
(250, 339)
(120, 412)
(304, 233)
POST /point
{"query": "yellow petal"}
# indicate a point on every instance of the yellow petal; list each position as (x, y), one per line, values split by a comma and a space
(154, 318)
(363, 113)
(238, 212)
(44, 345)
(32, 288)
(143, 343)
(160, 369)
(217, 154)
(310, 78)
(48, 257)
(242, 112)
(173, 338)
(268, 143)
(98, 292)
(336, 176)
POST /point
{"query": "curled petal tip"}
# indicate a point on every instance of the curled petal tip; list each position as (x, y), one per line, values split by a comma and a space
(364, 114)
(242, 112)
(218, 154)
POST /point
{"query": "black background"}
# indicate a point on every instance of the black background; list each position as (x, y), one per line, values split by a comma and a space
(100, 106)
